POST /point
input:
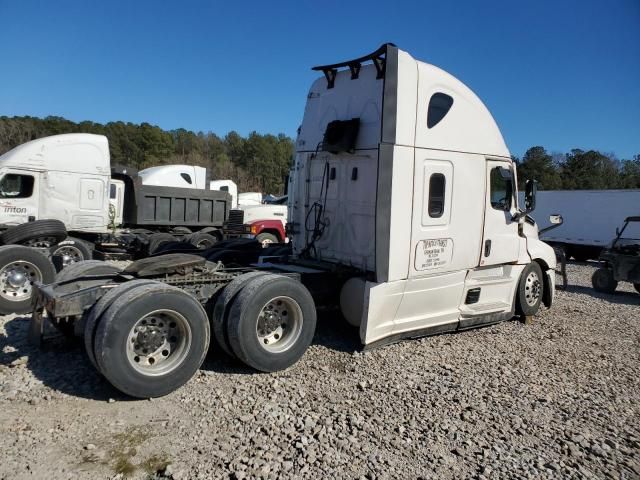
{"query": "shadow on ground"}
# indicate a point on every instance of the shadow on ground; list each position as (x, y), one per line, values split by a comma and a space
(621, 297)
(332, 331)
(62, 365)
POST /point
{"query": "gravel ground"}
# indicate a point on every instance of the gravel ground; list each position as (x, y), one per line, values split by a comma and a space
(558, 398)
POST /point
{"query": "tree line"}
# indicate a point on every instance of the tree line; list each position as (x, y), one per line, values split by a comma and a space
(261, 162)
(578, 170)
(255, 162)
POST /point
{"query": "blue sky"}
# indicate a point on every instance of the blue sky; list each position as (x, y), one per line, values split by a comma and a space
(561, 73)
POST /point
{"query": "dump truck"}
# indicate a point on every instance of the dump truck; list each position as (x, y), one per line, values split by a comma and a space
(402, 212)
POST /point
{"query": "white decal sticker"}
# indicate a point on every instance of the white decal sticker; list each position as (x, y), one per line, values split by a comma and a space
(433, 253)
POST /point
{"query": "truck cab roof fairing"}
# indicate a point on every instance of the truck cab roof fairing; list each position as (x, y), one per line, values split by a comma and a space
(70, 152)
(407, 86)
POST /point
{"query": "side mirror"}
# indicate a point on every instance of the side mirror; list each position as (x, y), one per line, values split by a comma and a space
(530, 190)
(556, 219)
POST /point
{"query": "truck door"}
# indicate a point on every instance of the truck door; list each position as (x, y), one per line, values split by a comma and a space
(18, 196)
(116, 201)
(500, 243)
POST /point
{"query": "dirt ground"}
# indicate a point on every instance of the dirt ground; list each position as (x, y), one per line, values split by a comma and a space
(556, 399)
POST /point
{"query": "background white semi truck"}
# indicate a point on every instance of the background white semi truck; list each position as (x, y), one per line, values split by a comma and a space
(590, 218)
(403, 210)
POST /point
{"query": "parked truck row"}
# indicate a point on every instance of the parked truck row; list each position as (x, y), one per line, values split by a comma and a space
(402, 210)
(61, 202)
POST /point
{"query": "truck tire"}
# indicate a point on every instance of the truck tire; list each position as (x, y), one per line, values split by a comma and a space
(151, 340)
(95, 313)
(603, 281)
(277, 250)
(20, 267)
(271, 323)
(530, 290)
(202, 241)
(215, 231)
(266, 239)
(53, 230)
(86, 267)
(181, 231)
(220, 313)
(70, 250)
(157, 239)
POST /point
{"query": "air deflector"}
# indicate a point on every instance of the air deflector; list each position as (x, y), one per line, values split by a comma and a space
(378, 58)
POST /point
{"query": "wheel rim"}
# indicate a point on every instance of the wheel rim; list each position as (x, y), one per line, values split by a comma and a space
(279, 324)
(41, 242)
(16, 280)
(204, 244)
(532, 289)
(158, 342)
(69, 254)
(266, 242)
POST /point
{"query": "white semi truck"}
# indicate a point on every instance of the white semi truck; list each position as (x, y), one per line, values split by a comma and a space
(60, 195)
(403, 210)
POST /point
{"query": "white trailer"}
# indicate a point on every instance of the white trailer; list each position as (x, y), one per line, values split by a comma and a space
(403, 209)
(249, 198)
(590, 218)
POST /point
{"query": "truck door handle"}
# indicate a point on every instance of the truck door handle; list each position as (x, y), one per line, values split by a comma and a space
(487, 248)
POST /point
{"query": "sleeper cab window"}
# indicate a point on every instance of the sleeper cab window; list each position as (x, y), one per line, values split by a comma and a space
(14, 185)
(501, 188)
(439, 106)
(437, 183)
(113, 191)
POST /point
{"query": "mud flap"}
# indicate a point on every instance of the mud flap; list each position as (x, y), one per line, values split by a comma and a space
(549, 288)
(36, 328)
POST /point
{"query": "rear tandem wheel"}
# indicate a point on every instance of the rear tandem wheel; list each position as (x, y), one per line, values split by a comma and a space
(151, 340)
(271, 323)
(20, 268)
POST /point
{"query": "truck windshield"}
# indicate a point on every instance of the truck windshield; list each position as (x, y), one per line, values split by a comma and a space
(13, 185)
(501, 184)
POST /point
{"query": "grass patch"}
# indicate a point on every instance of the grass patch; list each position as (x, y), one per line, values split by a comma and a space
(124, 448)
(155, 463)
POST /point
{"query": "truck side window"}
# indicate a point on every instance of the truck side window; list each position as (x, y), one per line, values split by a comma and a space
(186, 177)
(439, 106)
(112, 192)
(13, 185)
(501, 188)
(437, 184)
